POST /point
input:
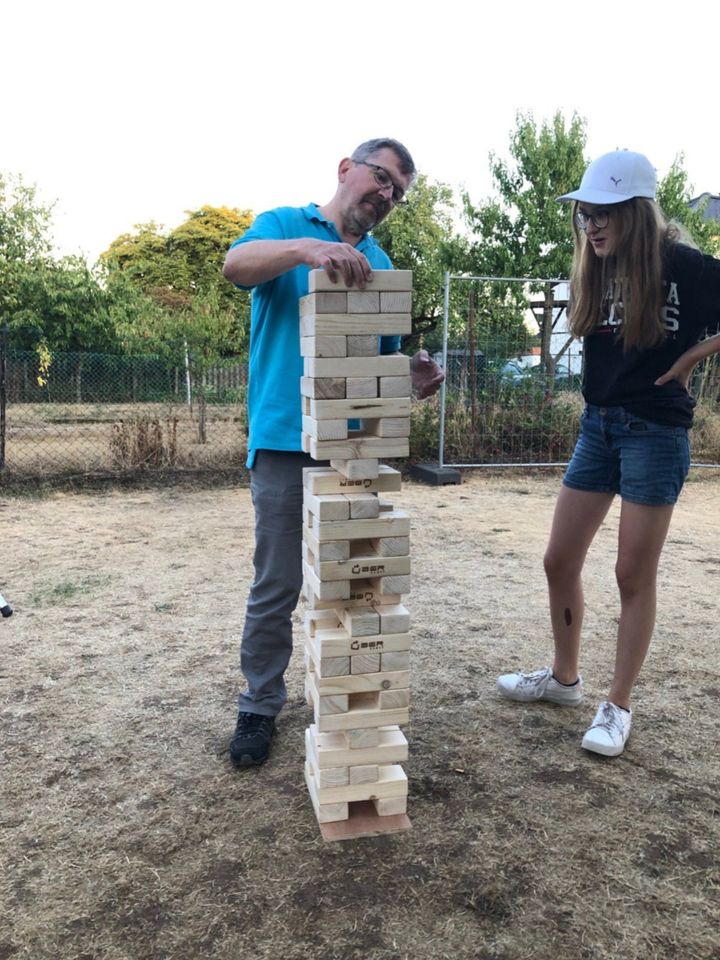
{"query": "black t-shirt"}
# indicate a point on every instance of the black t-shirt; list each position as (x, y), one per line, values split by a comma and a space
(615, 377)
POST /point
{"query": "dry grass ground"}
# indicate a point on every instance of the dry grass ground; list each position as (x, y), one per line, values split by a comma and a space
(125, 834)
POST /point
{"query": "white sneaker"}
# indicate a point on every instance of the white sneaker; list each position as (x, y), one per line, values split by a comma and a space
(540, 685)
(609, 731)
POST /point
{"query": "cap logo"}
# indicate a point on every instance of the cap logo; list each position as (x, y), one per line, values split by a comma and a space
(617, 181)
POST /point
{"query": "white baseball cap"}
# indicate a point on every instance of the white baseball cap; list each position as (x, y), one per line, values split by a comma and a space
(616, 177)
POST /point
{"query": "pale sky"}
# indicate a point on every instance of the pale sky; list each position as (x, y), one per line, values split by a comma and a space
(140, 111)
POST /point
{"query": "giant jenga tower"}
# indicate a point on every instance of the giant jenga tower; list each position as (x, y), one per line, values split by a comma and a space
(356, 556)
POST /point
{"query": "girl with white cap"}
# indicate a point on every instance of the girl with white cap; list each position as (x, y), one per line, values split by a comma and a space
(641, 298)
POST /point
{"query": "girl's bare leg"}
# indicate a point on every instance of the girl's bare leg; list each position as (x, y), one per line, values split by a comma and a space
(578, 515)
(641, 537)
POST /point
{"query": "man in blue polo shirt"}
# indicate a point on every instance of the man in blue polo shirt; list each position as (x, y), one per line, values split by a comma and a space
(273, 259)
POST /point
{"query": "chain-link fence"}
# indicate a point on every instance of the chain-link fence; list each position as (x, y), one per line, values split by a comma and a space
(99, 414)
(513, 377)
(512, 397)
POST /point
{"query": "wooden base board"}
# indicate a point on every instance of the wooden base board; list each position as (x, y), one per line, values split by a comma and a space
(364, 822)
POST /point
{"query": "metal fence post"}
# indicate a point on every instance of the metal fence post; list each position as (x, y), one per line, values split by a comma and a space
(446, 317)
(3, 390)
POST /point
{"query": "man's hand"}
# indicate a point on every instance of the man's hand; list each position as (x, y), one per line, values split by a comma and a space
(339, 261)
(426, 374)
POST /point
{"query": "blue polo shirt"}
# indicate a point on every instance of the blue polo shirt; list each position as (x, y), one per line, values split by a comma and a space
(274, 408)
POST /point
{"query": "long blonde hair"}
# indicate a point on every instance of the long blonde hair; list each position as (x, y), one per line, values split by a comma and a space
(635, 272)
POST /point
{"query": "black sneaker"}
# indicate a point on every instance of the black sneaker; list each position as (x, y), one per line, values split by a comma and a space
(250, 745)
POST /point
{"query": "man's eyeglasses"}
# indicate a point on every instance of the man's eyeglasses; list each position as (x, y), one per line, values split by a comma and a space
(600, 218)
(384, 180)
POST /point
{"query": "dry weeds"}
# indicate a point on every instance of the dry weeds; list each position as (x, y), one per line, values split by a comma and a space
(126, 835)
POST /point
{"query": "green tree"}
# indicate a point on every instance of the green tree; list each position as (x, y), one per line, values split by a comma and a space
(49, 304)
(523, 231)
(24, 239)
(63, 303)
(175, 267)
(674, 195)
(198, 318)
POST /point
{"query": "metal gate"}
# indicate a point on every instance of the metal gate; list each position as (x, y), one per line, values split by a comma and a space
(511, 397)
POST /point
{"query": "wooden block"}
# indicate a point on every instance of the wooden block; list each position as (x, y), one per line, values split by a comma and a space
(395, 523)
(362, 595)
(315, 620)
(393, 366)
(389, 700)
(325, 429)
(390, 806)
(330, 301)
(361, 388)
(363, 710)
(361, 683)
(360, 621)
(360, 409)
(305, 403)
(327, 812)
(309, 691)
(365, 663)
(323, 346)
(375, 746)
(394, 618)
(392, 585)
(334, 590)
(337, 642)
(361, 346)
(363, 506)
(323, 388)
(389, 386)
(395, 661)
(363, 740)
(347, 324)
(334, 667)
(364, 773)
(363, 821)
(308, 660)
(363, 469)
(305, 441)
(360, 715)
(335, 703)
(333, 777)
(359, 448)
(393, 302)
(391, 546)
(387, 427)
(386, 506)
(365, 301)
(329, 550)
(324, 480)
(327, 506)
(359, 568)
(391, 782)
(381, 280)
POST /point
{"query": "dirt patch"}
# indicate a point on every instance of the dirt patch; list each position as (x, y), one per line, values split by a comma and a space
(125, 834)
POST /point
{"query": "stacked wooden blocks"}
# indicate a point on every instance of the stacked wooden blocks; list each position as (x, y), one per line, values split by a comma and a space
(356, 556)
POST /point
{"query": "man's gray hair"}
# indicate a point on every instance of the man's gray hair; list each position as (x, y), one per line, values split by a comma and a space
(371, 147)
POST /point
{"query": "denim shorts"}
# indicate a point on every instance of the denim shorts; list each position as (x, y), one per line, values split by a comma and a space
(619, 452)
